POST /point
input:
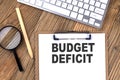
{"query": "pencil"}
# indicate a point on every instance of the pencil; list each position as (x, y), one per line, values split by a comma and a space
(24, 32)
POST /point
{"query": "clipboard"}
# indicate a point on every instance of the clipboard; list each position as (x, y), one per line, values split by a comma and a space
(85, 36)
(56, 38)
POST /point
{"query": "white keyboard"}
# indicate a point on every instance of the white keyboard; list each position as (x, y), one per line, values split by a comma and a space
(90, 12)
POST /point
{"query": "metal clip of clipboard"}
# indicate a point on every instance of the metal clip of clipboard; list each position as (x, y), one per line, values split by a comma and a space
(59, 36)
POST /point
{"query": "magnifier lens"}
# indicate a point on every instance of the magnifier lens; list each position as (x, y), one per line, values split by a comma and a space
(10, 38)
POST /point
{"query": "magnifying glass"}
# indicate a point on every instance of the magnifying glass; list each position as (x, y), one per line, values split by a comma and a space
(10, 39)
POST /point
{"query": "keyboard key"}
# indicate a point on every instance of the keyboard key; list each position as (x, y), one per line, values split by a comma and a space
(69, 1)
(86, 6)
(47, 0)
(104, 1)
(73, 15)
(87, 13)
(74, 2)
(32, 1)
(58, 3)
(91, 21)
(86, 1)
(85, 20)
(97, 24)
(80, 17)
(75, 9)
(64, 5)
(70, 7)
(38, 2)
(81, 11)
(99, 11)
(53, 1)
(63, 0)
(96, 16)
(56, 9)
(91, 8)
(92, 2)
(97, 4)
(80, 4)
(103, 6)
(81, 0)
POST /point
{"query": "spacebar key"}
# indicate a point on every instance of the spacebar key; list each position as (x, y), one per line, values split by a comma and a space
(56, 9)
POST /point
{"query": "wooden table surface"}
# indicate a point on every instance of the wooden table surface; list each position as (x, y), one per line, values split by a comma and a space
(38, 21)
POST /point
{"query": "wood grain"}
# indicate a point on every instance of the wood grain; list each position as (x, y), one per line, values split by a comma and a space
(38, 21)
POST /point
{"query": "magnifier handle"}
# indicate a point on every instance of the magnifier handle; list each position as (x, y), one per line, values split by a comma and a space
(18, 61)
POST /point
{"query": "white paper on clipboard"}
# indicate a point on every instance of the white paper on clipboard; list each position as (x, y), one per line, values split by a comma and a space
(75, 62)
